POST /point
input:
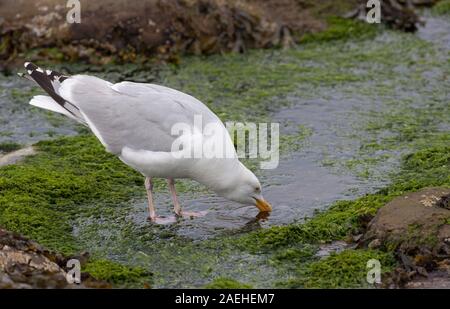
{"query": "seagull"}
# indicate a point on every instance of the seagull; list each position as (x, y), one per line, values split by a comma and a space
(135, 122)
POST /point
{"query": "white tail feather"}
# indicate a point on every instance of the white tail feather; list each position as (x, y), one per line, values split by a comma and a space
(46, 102)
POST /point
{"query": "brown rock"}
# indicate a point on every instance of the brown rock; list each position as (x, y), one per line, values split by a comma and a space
(376, 243)
(414, 217)
(417, 228)
(26, 264)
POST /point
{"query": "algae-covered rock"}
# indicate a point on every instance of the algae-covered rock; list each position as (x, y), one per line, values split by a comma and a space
(124, 30)
(416, 227)
(130, 30)
(26, 264)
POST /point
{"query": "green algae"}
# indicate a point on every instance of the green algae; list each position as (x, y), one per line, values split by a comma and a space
(21, 95)
(9, 147)
(289, 258)
(441, 8)
(242, 87)
(118, 274)
(347, 269)
(293, 142)
(227, 283)
(416, 236)
(6, 133)
(342, 29)
(67, 178)
(412, 114)
(174, 261)
(39, 197)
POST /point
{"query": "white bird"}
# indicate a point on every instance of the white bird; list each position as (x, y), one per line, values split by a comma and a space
(135, 121)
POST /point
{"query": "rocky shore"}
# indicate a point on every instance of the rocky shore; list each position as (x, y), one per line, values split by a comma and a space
(25, 264)
(376, 98)
(415, 226)
(132, 31)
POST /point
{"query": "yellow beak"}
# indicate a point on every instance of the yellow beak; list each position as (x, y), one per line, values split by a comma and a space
(263, 205)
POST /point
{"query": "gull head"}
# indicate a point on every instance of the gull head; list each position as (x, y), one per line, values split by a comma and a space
(246, 189)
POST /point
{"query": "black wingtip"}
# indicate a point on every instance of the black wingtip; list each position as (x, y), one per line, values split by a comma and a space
(52, 75)
(46, 80)
(29, 66)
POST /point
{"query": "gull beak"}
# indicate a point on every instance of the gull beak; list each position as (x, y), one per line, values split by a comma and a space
(263, 205)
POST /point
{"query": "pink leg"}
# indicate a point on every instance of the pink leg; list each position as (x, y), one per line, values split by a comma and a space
(176, 205)
(151, 207)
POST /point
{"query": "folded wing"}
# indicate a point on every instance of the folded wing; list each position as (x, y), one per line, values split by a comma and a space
(134, 115)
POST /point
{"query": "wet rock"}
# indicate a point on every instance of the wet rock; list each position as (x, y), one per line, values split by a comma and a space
(131, 30)
(26, 264)
(374, 244)
(334, 247)
(444, 202)
(416, 227)
(435, 280)
(356, 238)
(16, 156)
(126, 29)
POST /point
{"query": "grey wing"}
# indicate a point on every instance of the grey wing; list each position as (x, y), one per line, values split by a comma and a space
(139, 116)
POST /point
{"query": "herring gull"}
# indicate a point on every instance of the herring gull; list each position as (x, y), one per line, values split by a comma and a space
(135, 122)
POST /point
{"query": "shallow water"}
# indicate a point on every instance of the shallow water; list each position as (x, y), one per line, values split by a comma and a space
(436, 30)
(301, 184)
(308, 179)
(25, 124)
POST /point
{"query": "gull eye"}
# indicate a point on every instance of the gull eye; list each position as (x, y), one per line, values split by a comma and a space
(257, 189)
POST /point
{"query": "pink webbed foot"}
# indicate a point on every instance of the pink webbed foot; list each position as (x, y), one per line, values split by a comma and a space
(162, 220)
(192, 214)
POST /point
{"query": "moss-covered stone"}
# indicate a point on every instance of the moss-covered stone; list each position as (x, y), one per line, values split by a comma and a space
(414, 227)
